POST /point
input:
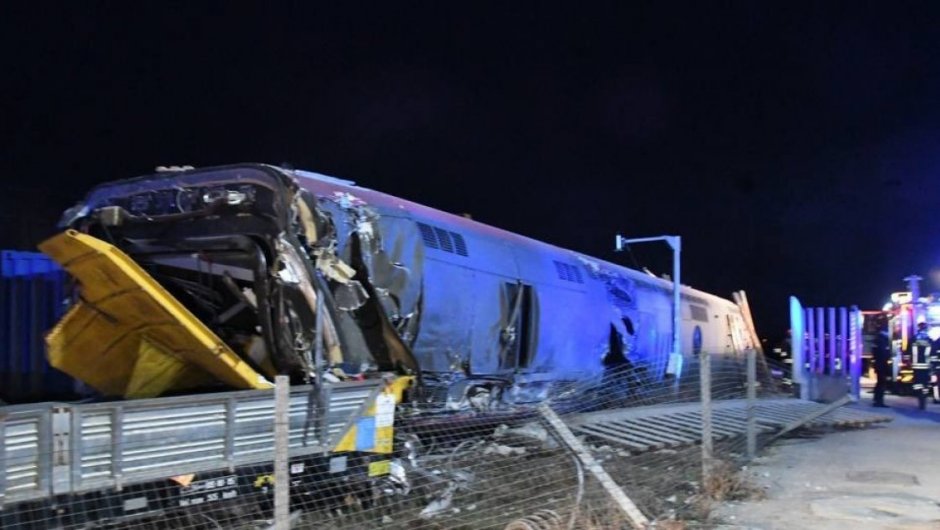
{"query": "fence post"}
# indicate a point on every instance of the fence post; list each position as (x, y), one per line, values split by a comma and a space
(705, 380)
(751, 403)
(634, 516)
(281, 445)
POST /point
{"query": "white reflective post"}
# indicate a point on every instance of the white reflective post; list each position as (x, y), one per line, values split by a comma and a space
(798, 345)
(833, 354)
(809, 367)
(855, 349)
(844, 341)
(821, 338)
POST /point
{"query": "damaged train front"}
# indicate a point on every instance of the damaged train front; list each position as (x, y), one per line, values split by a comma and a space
(192, 280)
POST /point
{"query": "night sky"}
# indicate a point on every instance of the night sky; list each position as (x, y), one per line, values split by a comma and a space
(794, 147)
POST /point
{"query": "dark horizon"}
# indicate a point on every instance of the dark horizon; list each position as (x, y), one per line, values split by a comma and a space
(791, 146)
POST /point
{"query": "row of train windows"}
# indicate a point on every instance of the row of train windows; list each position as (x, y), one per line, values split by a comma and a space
(440, 239)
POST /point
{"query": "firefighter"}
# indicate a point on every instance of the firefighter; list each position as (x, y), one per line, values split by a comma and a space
(920, 361)
(935, 371)
(881, 355)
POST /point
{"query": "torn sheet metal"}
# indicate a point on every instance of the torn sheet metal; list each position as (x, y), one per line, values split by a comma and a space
(127, 335)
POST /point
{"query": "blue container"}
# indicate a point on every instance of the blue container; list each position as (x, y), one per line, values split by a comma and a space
(33, 297)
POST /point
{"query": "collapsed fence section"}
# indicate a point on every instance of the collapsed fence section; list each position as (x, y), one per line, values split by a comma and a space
(569, 462)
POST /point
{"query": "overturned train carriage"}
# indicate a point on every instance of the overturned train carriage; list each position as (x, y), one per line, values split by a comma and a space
(227, 276)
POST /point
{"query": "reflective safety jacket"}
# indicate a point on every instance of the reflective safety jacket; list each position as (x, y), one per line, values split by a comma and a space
(921, 347)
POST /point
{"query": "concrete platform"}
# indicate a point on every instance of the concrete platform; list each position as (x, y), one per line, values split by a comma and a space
(885, 477)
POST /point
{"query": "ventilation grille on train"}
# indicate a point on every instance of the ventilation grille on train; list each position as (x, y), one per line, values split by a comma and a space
(440, 239)
(567, 272)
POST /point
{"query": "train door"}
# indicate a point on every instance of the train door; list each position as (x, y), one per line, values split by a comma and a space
(518, 333)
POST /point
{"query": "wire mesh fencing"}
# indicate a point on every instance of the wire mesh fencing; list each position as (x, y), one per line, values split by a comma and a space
(581, 457)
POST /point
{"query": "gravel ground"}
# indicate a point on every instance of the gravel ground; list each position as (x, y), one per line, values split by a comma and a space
(881, 477)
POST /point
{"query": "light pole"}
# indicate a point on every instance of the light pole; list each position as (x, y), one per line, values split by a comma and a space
(675, 242)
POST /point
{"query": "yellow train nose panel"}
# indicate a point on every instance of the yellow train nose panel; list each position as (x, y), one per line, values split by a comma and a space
(128, 336)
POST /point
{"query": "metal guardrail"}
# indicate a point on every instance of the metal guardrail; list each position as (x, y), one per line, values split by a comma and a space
(25, 451)
(57, 448)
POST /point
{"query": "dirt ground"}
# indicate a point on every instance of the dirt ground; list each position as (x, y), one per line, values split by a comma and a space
(881, 477)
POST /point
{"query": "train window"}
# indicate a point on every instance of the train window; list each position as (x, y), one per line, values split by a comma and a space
(699, 313)
(628, 325)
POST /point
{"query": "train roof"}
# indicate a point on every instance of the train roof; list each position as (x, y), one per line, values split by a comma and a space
(326, 183)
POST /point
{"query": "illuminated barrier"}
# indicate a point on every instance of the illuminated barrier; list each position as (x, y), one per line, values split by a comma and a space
(827, 350)
(32, 299)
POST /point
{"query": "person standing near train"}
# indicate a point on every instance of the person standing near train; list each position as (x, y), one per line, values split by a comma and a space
(935, 371)
(921, 347)
(881, 358)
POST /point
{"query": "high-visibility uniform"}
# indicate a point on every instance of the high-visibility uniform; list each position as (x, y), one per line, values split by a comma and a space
(921, 348)
(935, 372)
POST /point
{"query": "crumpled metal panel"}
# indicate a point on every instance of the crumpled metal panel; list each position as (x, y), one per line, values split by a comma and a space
(465, 303)
(103, 340)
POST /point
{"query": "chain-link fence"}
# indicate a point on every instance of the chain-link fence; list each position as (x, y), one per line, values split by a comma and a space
(622, 451)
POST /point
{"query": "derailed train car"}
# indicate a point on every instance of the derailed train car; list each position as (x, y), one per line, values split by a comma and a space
(267, 260)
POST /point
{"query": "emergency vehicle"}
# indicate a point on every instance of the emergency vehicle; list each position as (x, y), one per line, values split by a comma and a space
(900, 315)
